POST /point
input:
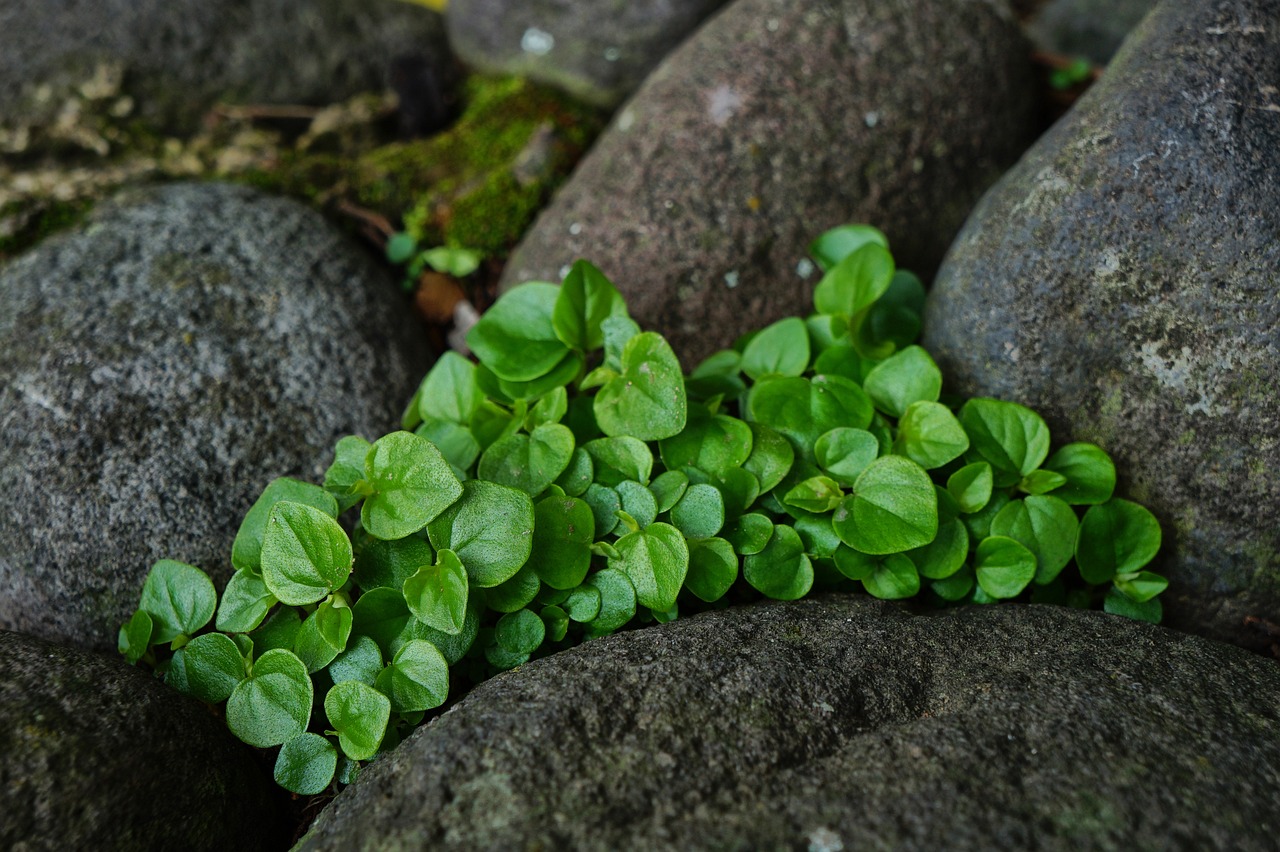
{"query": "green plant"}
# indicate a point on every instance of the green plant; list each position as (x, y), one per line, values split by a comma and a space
(403, 250)
(575, 481)
(1073, 73)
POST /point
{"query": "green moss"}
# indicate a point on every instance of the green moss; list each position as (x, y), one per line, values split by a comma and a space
(42, 220)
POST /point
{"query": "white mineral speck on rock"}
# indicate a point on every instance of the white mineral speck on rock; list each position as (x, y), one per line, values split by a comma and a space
(575, 228)
(611, 54)
(871, 119)
(804, 268)
(722, 103)
(731, 279)
(536, 41)
(825, 840)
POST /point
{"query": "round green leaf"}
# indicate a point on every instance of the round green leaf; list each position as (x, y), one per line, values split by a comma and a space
(490, 528)
(246, 550)
(713, 568)
(838, 243)
(1003, 566)
(458, 444)
(135, 637)
(656, 560)
(668, 488)
(815, 494)
(894, 578)
(930, 435)
(945, 555)
(750, 533)
(586, 299)
(618, 332)
(452, 646)
(637, 501)
(617, 601)
(359, 716)
(893, 508)
(620, 458)
(781, 349)
(413, 484)
(956, 587)
(979, 523)
(437, 594)
(1041, 482)
(740, 489)
(382, 615)
(1044, 525)
(273, 704)
(577, 477)
(341, 477)
(855, 565)
(584, 602)
(520, 632)
(516, 337)
(381, 563)
(1142, 586)
(516, 593)
(305, 554)
(417, 678)
(362, 661)
(819, 536)
(698, 514)
(324, 634)
(971, 486)
(1012, 437)
(1090, 473)
(563, 531)
(214, 667)
(449, 391)
(714, 444)
(803, 410)
(179, 598)
(1116, 537)
(856, 282)
(1118, 603)
(844, 453)
(605, 504)
(781, 570)
(556, 621)
(528, 462)
(306, 764)
(647, 399)
(278, 631)
(245, 603)
(904, 378)
(771, 456)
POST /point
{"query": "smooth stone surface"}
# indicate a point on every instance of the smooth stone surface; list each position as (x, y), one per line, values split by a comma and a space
(777, 120)
(157, 368)
(845, 723)
(95, 754)
(1123, 280)
(180, 56)
(598, 51)
(1093, 29)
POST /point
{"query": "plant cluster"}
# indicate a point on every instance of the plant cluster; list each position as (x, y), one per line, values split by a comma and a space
(575, 481)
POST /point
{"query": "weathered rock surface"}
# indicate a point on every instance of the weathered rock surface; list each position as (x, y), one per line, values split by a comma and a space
(157, 369)
(1089, 28)
(95, 754)
(845, 723)
(599, 51)
(777, 120)
(176, 57)
(1123, 279)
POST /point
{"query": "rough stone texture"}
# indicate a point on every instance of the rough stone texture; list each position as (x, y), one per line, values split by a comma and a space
(845, 723)
(157, 369)
(1089, 28)
(777, 120)
(95, 754)
(178, 56)
(598, 51)
(1123, 280)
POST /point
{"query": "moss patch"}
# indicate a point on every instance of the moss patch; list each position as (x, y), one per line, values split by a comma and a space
(29, 223)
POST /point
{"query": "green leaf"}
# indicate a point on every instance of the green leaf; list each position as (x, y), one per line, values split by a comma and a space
(563, 531)
(516, 338)
(514, 594)
(437, 594)
(1003, 566)
(306, 764)
(346, 471)
(668, 487)
(894, 578)
(894, 321)
(979, 523)
(713, 568)
(750, 533)
(359, 716)
(838, 243)
(324, 634)
(214, 667)
(1090, 473)
(456, 443)
(388, 564)
(549, 409)
(713, 444)
(135, 637)
(856, 282)
(844, 453)
(647, 399)
(930, 435)
(815, 494)
(1116, 537)
(617, 459)
(413, 485)
(245, 603)
(586, 299)
(803, 410)
(819, 536)
(971, 486)
(698, 514)
(531, 462)
(556, 621)
(305, 554)
(781, 570)
(718, 375)
(1142, 586)
(278, 631)
(1044, 525)
(781, 349)
(771, 457)
(637, 501)
(1012, 437)
(656, 560)
(400, 247)
(1041, 482)
(956, 587)
(560, 375)
(945, 555)
(450, 260)
(605, 504)
(382, 615)
(490, 528)
(452, 647)
(179, 598)
(449, 391)
(490, 422)
(893, 508)
(520, 632)
(904, 378)
(740, 489)
(417, 678)
(362, 661)
(578, 476)
(617, 601)
(855, 565)
(584, 602)
(246, 550)
(273, 704)
(1118, 603)
(618, 332)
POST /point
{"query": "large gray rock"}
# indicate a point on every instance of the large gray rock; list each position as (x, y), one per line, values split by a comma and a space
(177, 57)
(777, 120)
(599, 51)
(1124, 280)
(1093, 29)
(95, 754)
(157, 369)
(845, 723)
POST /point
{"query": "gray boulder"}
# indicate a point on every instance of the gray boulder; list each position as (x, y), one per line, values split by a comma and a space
(157, 368)
(95, 754)
(1089, 28)
(1123, 280)
(844, 723)
(777, 120)
(176, 57)
(599, 51)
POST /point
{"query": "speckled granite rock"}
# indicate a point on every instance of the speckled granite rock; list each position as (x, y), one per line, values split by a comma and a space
(1124, 281)
(844, 723)
(157, 368)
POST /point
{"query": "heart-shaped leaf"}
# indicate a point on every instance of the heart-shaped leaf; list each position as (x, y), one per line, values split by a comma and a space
(529, 462)
(273, 704)
(893, 508)
(656, 560)
(437, 594)
(246, 550)
(781, 570)
(306, 764)
(1116, 537)
(516, 338)
(1003, 566)
(413, 484)
(359, 716)
(490, 528)
(647, 399)
(417, 678)
(305, 554)
(179, 598)
(586, 299)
